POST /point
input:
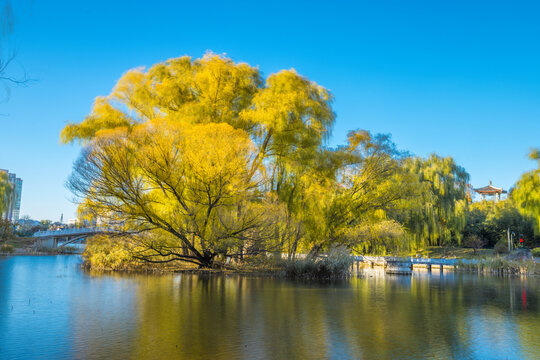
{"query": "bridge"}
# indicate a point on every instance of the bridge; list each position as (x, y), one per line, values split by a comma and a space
(396, 265)
(62, 237)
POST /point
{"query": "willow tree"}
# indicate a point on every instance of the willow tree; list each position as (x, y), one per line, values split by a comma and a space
(526, 193)
(349, 193)
(287, 117)
(437, 216)
(283, 116)
(213, 89)
(371, 185)
(191, 189)
(6, 190)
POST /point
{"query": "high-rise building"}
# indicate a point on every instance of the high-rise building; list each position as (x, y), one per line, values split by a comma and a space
(14, 207)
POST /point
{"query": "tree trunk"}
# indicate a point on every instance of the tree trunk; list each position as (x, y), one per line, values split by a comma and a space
(295, 244)
(315, 250)
(207, 260)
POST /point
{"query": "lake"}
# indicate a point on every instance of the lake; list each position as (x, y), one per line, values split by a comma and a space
(52, 309)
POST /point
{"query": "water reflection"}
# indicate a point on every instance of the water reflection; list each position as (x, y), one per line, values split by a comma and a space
(60, 311)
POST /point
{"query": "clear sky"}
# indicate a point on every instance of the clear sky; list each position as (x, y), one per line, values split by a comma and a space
(459, 78)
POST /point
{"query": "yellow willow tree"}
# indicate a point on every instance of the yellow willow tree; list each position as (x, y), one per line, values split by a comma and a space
(287, 117)
(189, 188)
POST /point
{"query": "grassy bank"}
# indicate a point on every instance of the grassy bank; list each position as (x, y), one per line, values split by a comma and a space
(17, 245)
(500, 265)
(437, 252)
(325, 267)
(103, 254)
(486, 260)
(26, 246)
(336, 265)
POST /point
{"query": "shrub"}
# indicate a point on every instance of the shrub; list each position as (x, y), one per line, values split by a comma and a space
(475, 242)
(501, 247)
(6, 248)
(7, 229)
(334, 265)
(105, 253)
(536, 252)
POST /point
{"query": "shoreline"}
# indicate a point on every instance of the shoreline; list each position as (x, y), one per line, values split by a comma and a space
(494, 266)
(33, 254)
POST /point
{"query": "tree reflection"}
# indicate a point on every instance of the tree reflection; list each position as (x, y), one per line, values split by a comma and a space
(223, 317)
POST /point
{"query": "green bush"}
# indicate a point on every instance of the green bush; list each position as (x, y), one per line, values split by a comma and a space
(536, 252)
(334, 265)
(501, 247)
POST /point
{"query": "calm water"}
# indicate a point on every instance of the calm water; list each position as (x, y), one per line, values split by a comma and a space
(50, 309)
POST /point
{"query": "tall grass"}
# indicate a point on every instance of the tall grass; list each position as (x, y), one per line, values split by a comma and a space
(334, 265)
(500, 265)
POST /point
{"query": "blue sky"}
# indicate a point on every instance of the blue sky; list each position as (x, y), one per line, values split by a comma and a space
(458, 78)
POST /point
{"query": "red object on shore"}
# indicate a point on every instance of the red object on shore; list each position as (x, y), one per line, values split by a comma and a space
(520, 240)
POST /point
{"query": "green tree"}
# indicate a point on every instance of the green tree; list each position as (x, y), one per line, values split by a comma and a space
(352, 194)
(490, 221)
(437, 216)
(526, 193)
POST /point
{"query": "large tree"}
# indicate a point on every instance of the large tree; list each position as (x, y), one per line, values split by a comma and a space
(287, 118)
(349, 194)
(285, 114)
(437, 215)
(192, 187)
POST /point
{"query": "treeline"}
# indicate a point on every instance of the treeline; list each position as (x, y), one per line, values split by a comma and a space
(200, 160)
(488, 222)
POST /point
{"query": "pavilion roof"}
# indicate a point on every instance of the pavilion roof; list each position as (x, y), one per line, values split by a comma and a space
(490, 189)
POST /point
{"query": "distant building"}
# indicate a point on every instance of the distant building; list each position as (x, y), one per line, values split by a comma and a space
(14, 208)
(73, 222)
